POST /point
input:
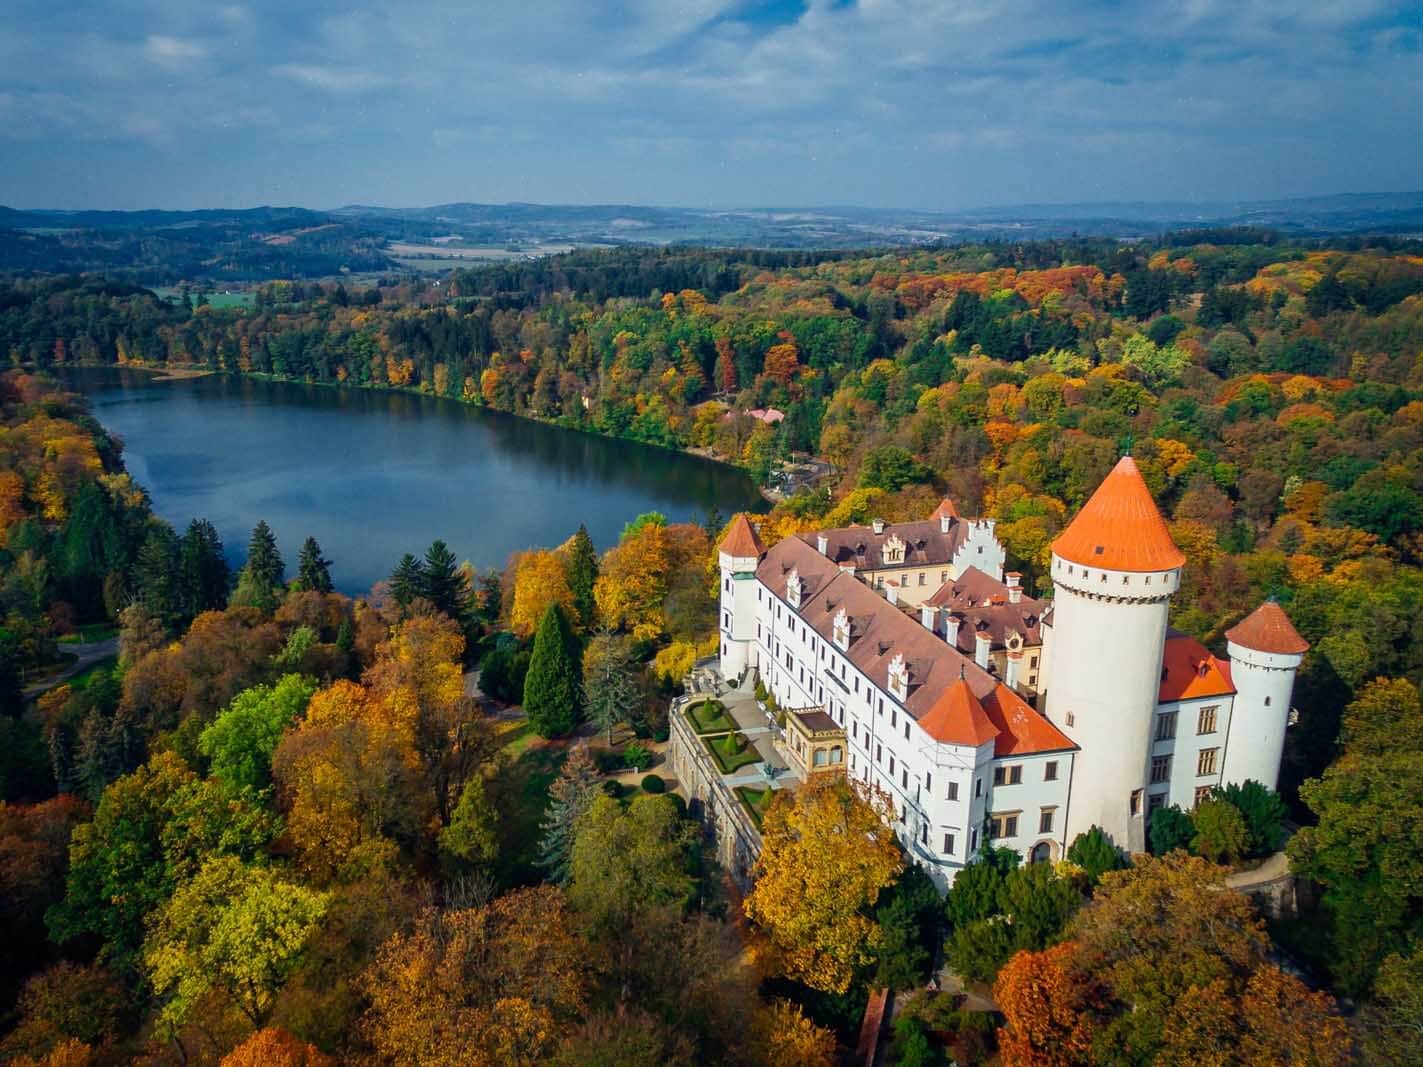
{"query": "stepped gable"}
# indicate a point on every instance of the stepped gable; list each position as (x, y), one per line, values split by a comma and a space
(1189, 671)
(925, 543)
(741, 540)
(982, 600)
(1268, 629)
(957, 718)
(879, 632)
(1120, 528)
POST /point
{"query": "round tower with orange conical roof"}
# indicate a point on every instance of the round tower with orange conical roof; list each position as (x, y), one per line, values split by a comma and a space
(1114, 570)
(739, 553)
(1265, 652)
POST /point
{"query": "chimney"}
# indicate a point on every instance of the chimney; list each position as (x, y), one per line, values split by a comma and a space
(879, 526)
(1015, 590)
(951, 628)
(926, 616)
(981, 644)
(1015, 662)
(944, 522)
(823, 544)
(891, 592)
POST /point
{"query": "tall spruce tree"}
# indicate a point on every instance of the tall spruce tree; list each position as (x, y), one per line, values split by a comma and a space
(155, 575)
(570, 797)
(551, 688)
(312, 571)
(264, 561)
(407, 581)
(582, 573)
(610, 682)
(442, 584)
(203, 574)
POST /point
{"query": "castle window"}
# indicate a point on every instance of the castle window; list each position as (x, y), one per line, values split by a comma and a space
(1008, 775)
(1160, 769)
(1166, 726)
(1206, 723)
(906, 729)
(891, 763)
(973, 841)
(923, 833)
(1203, 792)
(1154, 801)
(1136, 802)
(1206, 761)
(978, 787)
(903, 779)
(928, 783)
(1045, 820)
(953, 793)
(948, 844)
(1050, 771)
(1267, 702)
(1003, 825)
(1071, 718)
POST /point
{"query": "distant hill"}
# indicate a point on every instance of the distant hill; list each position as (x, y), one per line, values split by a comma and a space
(159, 247)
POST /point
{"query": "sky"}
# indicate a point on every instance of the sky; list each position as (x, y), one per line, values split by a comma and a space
(928, 104)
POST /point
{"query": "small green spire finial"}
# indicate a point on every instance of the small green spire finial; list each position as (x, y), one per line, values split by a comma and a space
(1126, 445)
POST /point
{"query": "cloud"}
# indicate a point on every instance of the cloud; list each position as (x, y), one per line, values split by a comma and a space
(933, 103)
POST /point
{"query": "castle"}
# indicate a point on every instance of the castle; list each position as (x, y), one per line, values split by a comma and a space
(904, 655)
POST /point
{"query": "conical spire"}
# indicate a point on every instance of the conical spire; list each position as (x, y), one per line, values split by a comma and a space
(1268, 629)
(741, 539)
(1120, 528)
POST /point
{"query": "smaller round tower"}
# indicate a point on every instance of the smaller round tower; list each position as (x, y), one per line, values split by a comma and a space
(739, 554)
(1265, 652)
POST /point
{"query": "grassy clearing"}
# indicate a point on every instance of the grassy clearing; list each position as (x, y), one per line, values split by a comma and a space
(90, 632)
(516, 736)
(710, 717)
(731, 752)
(81, 681)
(757, 801)
(216, 300)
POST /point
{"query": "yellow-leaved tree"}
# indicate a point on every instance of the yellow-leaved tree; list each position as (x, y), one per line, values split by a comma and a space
(632, 583)
(540, 579)
(827, 853)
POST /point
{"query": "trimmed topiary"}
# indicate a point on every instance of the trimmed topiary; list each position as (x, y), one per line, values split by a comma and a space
(653, 783)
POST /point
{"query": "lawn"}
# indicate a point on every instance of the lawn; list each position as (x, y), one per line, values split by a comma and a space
(515, 736)
(731, 752)
(90, 632)
(757, 801)
(710, 717)
(81, 681)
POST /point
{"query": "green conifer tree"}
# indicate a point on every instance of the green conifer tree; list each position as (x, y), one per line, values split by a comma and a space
(203, 574)
(582, 573)
(570, 796)
(406, 581)
(155, 576)
(551, 688)
(265, 562)
(312, 571)
(442, 584)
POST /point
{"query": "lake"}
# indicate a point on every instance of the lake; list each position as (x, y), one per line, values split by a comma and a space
(372, 475)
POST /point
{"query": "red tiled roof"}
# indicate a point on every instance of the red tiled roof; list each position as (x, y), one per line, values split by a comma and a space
(1268, 629)
(946, 507)
(1189, 671)
(741, 539)
(1021, 730)
(1120, 528)
(957, 718)
(982, 601)
(880, 632)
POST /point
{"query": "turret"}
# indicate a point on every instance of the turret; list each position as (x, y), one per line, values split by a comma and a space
(1265, 652)
(1113, 571)
(739, 554)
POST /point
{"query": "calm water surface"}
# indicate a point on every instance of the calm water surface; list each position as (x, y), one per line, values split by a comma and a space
(372, 475)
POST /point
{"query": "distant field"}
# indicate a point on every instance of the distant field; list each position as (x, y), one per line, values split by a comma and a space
(442, 256)
(216, 299)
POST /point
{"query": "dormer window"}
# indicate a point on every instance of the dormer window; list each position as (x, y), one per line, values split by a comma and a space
(899, 678)
(894, 550)
(793, 588)
(842, 629)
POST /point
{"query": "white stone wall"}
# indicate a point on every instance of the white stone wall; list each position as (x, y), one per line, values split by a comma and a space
(980, 549)
(1108, 634)
(737, 614)
(1185, 750)
(1264, 683)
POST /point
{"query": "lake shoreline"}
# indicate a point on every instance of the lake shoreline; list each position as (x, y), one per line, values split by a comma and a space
(189, 371)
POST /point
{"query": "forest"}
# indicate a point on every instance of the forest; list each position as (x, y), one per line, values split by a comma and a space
(277, 828)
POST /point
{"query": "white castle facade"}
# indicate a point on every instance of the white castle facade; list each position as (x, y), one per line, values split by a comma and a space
(985, 715)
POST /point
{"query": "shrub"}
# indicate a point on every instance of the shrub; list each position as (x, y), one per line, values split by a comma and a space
(637, 757)
(1221, 836)
(978, 950)
(613, 788)
(607, 761)
(653, 783)
(761, 692)
(1170, 829)
(1094, 852)
(1264, 814)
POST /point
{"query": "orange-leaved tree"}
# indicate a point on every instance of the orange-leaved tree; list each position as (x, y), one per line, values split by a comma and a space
(1048, 1009)
(827, 854)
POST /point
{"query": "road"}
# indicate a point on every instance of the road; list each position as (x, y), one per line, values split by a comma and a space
(86, 655)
